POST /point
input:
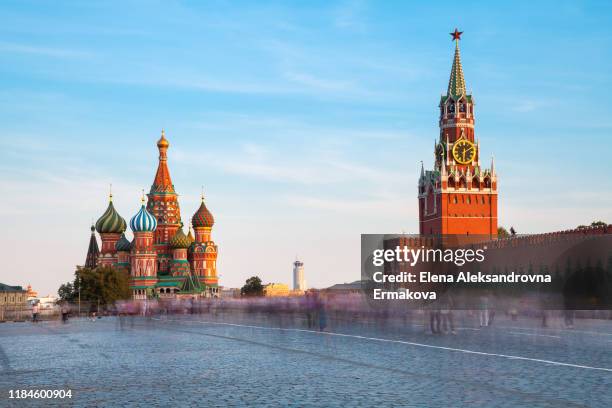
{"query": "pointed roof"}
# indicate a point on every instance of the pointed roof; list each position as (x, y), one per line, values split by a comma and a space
(162, 182)
(191, 285)
(190, 234)
(92, 252)
(456, 83)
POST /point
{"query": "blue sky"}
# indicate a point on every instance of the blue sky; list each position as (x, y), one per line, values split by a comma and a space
(304, 121)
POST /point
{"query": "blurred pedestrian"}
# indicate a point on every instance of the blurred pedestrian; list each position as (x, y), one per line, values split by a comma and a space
(35, 312)
(65, 310)
(322, 316)
(434, 320)
(446, 314)
(484, 311)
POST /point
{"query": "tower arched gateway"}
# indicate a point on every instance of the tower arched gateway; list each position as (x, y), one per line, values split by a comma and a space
(458, 196)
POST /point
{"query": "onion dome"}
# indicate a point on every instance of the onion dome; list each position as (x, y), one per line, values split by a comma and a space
(143, 220)
(110, 221)
(123, 244)
(202, 217)
(180, 240)
(163, 142)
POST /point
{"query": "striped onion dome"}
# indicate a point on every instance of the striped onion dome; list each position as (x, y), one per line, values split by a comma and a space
(123, 244)
(143, 221)
(180, 240)
(202, 217)
(110, 221)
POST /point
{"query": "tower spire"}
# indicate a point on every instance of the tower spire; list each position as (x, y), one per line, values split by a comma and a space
(442, 165)
(91, 260)
(162, 182)
(456, 83)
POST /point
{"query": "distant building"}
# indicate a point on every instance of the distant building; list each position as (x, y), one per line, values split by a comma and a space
(31, 294)
(276, 289)
(13, 302)
(229, 292)
(299, 283)
(47, 302)
(345, 288)
(12, 295)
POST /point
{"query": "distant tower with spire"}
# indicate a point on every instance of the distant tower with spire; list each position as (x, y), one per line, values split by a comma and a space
(91, 260)
(163, 204)
(458, 196)
(299, 282)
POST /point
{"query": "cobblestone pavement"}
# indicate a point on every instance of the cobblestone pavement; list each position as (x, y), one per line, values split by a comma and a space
(258, 361)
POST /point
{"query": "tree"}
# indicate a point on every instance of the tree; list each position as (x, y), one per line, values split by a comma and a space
(599, 224)
(502, 232)
(102, 285)
(252, 287)
(66, 292)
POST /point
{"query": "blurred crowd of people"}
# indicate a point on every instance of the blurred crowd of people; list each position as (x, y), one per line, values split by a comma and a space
(316, 311)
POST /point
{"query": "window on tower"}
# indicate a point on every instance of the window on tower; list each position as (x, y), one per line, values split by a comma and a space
(476, 182)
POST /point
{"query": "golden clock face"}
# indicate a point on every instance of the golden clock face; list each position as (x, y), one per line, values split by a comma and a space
(464, 151)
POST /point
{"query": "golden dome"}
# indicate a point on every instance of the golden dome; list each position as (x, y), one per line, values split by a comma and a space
(163, 142)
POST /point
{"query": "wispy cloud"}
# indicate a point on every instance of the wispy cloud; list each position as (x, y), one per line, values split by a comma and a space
(351, 15)
(318, 83)
(16, 48)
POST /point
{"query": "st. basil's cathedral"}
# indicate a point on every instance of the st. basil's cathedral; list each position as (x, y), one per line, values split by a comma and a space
(162, 261)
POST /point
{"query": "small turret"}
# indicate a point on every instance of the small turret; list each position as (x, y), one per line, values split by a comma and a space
(91, 260)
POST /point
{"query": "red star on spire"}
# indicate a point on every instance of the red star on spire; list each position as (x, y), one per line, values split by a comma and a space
(456, 35)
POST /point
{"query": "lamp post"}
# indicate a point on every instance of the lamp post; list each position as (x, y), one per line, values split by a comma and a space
(79, 283)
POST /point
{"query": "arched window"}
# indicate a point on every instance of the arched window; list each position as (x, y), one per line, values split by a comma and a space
(476, 182)
(487, 182)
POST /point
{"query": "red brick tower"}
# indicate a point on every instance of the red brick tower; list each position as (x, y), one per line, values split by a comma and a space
(163, 204)
(110, 226)
(458, 196)
(143, 257)
(204, 250)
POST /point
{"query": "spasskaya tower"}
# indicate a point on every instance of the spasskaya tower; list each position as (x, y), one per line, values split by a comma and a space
(458, 196)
